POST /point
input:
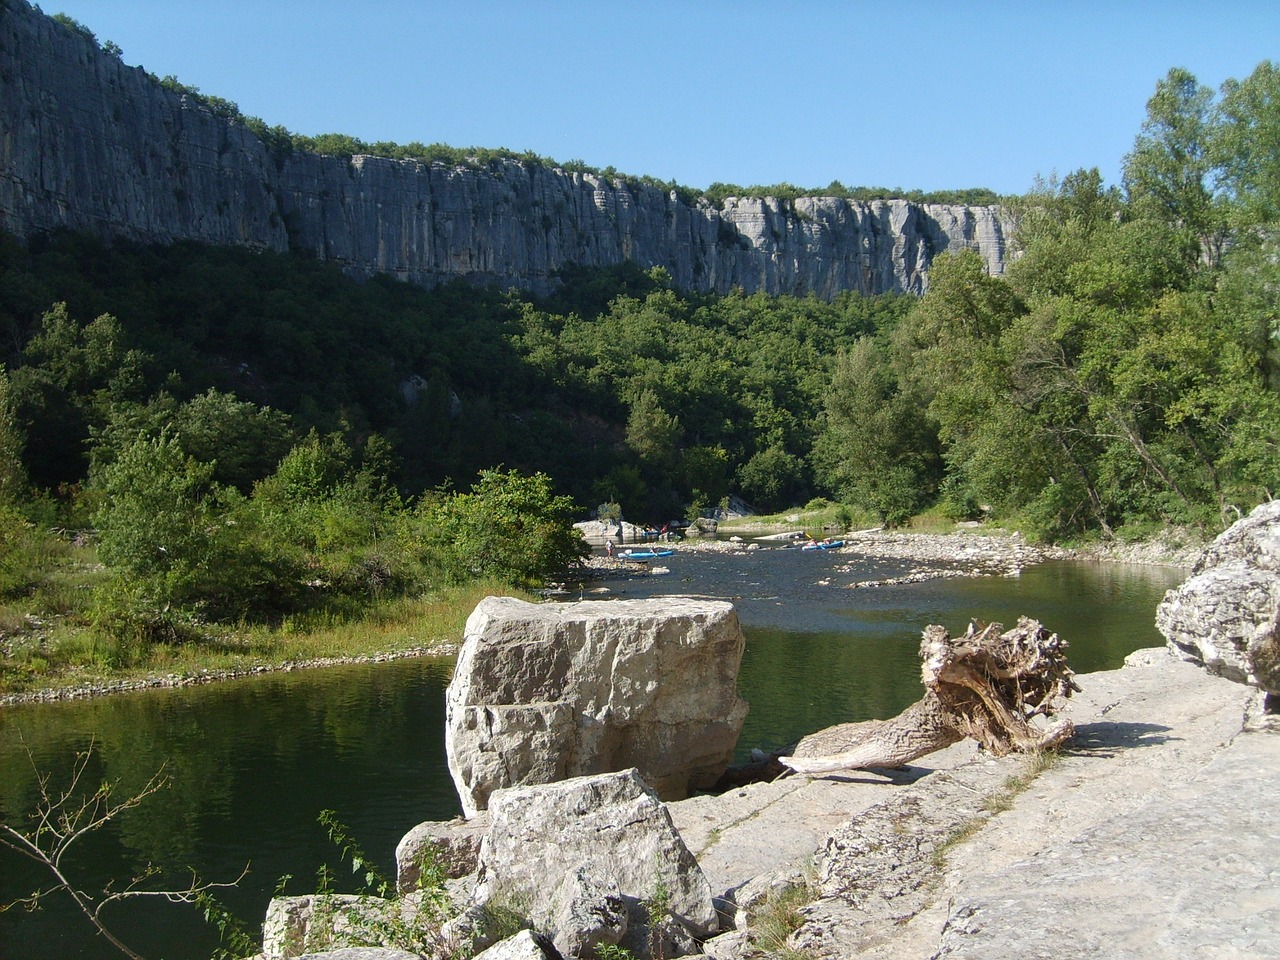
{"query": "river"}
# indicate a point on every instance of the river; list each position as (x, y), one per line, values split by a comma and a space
(252, 762)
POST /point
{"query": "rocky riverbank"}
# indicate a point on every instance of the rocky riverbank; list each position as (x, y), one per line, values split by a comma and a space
(968, 553)
(1145, 838)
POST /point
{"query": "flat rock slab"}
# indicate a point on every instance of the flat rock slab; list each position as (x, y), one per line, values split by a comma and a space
(1192, 874)
(1157, 837)
(776, 828)
(1153, 836)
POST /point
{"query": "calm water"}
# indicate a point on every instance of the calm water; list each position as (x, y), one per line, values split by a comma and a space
(254, 761)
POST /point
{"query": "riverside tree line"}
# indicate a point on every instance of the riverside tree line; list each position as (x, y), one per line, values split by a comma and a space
(252, 435)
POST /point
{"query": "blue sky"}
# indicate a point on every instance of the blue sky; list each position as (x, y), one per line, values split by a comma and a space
(918, 95)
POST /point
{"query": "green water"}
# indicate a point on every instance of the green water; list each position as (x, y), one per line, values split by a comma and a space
(254, 761)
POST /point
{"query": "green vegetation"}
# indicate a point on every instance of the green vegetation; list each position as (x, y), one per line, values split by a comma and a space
(778, 916)
(253, 442)
(1123, 372)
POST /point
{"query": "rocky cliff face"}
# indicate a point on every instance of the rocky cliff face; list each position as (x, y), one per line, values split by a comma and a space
(89, 143)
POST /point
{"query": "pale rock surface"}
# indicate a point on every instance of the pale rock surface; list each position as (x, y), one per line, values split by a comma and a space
(318, 922)
(1226, 615)
(361, 953)
(544, 692)
(1148, 839)
(622, 532)
(455, 844)
(523, 946)
(588, 912)
(90, 143)
(610, 828)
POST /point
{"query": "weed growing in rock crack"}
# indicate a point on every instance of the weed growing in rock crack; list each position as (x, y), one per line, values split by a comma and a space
(1037, 763)
(774, 921)
(504, 919)
(962, 833)
(612, 951)
(657, 909)
(410, 923)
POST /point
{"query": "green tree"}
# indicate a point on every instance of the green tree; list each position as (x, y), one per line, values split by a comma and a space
(13, 475)
(772, 479)
(508, 527)
(243, 442)
(160, 521)
(1245, 146)
(652, 432)
(706, 472)
(876, 450)
(1169, 174)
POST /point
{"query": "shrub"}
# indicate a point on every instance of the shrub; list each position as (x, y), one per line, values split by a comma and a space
(508, 527)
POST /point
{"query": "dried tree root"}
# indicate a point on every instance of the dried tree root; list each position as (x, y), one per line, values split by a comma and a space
(986, 685)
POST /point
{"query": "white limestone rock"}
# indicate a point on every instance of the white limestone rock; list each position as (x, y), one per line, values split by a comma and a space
(319, 922)
(544, 692)
(1227, 615)
(523, 946)
(609, 827)
(454, 844)
(587, 912)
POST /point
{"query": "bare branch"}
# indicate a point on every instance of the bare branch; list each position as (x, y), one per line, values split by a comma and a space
(63, 818)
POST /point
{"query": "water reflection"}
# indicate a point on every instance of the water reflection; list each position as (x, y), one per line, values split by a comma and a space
(254, 761)
(251, 763)
(826, 653)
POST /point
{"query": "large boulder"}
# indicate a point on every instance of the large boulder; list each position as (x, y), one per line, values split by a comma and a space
(545, 692)
(1225, 616)
(595, 860)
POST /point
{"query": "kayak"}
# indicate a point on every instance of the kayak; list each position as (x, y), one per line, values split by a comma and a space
(823, 545)
(644, 554)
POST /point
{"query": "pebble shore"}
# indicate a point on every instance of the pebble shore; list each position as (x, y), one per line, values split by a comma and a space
(175, 680)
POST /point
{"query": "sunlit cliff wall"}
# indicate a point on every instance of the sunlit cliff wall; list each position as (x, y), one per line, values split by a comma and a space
(89, 143)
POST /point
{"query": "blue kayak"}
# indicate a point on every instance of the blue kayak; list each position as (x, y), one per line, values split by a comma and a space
(644, 554)
(823, 545)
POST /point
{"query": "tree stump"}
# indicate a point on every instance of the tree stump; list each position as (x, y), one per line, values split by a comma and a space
(987, 685)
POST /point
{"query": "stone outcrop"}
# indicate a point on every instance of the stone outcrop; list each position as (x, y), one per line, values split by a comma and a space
(1226, 616)
(523, 946)
(322, 922)
(590, 860)
(89, 143)
(453, 845)
(362, 953)
(544, 692)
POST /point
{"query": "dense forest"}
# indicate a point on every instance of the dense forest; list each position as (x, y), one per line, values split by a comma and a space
(251, 434)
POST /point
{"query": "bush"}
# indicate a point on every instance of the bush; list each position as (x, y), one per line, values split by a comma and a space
(25, 554)
(509, 527)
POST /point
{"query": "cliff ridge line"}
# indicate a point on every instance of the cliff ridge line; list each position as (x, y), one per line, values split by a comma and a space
(91, 144)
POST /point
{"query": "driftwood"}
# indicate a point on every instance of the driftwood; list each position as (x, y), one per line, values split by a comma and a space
(987, 685)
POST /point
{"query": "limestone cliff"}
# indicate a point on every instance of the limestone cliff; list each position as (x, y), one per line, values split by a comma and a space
(89, 143)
